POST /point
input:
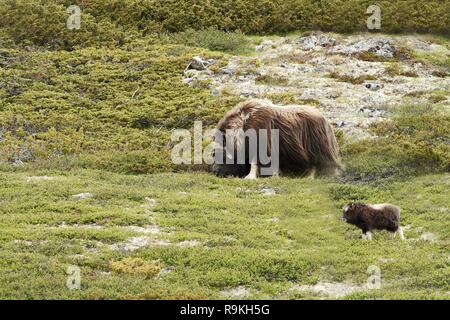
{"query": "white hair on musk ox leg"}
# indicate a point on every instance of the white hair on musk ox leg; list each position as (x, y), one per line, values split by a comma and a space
(276, 173)
(400, 232)
(392, 235)
(311, 174)
(253, 172)
(367, 235)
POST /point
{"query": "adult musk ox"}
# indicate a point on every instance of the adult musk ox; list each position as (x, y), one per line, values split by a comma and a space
(304, 141)
(370, 217)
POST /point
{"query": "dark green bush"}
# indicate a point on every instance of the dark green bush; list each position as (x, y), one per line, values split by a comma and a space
(211, 39)
(107, 108)
(42, 22)
(104, 21)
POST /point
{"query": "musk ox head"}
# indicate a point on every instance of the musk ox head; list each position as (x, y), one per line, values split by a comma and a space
(234, 170)
(225, 157)
(349, 212)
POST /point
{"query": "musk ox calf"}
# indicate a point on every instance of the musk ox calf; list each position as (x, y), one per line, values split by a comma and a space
(305, 141)
(374, 217)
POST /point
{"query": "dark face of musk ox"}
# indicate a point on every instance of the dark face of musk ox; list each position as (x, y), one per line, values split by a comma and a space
(220, 154)
(348, 213)
(235, 170)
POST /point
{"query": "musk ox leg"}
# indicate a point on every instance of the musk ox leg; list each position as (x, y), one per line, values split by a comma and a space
(311, 174)
(400, 232)
(276, 173)
(253, 172)
(367, 235)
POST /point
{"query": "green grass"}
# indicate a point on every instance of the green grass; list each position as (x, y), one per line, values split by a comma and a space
(116, 22)
(243, 238)
(212, 39)
(101, 108)
(271, 80)
(98, 120)
(414, 141)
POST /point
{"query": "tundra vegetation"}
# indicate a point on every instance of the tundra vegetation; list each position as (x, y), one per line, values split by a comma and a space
(86, 177)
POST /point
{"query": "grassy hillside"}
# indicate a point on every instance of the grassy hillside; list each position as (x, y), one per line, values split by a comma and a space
(107, 108)
(114, 109)
(209, 235)
(114, 22)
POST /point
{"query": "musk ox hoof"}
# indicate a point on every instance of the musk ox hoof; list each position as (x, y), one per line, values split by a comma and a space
(367, 236)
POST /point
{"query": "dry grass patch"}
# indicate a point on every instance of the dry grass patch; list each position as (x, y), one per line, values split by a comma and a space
(137, 266)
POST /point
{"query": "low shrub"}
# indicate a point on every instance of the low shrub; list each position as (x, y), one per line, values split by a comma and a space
(212, 39)
(105, 22)
(415, 140)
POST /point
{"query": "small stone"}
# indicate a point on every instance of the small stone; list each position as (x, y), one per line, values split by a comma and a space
(428, 236)
(373, 86)
(82, 196)
(151, 203)
(340, 124)
(316, 39)
(227, 71)
(163, 272)
(188, 243)
(18, 163)
(236, 293)
(263, 45)
(200, 64)
(268, 192)
(39, 178)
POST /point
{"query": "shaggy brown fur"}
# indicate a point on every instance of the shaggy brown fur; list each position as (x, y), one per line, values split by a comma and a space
(306, 139)
(370, 217)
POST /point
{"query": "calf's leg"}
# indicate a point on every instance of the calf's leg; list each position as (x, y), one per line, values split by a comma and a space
(253, 172)
(367, 235)
(400, 232)
(311, 174)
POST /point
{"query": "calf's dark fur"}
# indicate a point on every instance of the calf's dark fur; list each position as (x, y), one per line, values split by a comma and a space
(374, 217)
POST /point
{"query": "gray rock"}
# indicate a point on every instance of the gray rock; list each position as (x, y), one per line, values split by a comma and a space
(351, 107)
(263, 45)
(14, 90)
(310, 42)
(375, 113)
(340, 124)
(381, 47)
(373, 86)
(235, 293)
(227, 71)
(81, 196)
(199, 63)
(17, 163)
(268, 192)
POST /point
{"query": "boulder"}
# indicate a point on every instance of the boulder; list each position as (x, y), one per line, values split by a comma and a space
(199, 63)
